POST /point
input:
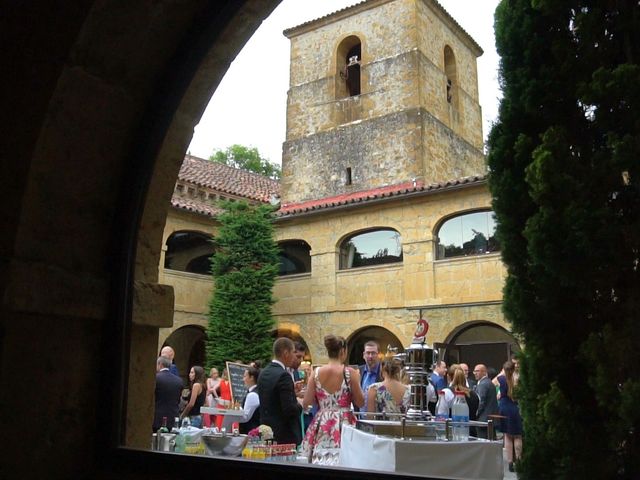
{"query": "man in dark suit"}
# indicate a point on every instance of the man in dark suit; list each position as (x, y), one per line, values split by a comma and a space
(279, 407)
(488, 399)
(168, 388)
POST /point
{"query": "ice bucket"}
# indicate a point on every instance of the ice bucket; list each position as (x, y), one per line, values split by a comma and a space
(228, 445)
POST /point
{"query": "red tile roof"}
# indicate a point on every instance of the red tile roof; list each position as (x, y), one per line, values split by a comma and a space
(223, 178)
(376, 194)
(192, 205)
(216, 177)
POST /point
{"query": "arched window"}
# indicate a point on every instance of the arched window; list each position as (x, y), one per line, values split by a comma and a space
(295, 257)
(373, 247)
(189, 252)
(450, 75)
(467, 234)
(349, 59)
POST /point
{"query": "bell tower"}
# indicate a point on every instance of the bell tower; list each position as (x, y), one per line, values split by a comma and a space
(381, 93)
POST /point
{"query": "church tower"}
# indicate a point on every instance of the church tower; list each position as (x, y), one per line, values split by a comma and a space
(381, 93)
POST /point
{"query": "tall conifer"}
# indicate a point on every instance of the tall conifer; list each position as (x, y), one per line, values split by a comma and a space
(564, 158)
(244, 269)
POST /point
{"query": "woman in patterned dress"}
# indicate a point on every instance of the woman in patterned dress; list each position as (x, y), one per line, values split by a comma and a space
(333, 387)
(390, 395)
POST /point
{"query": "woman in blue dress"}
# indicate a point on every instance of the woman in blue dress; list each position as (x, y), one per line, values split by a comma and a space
(511, 425)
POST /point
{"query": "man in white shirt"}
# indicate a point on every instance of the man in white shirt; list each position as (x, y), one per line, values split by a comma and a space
(251, 415)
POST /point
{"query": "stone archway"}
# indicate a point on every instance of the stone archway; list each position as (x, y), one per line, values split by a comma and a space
(381, 335)
(294, 335)
(479, 342)
(189, 344)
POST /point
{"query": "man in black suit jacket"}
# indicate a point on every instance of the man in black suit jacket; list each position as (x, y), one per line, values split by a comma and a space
(488, 400)
(168, 388)
(279, 407)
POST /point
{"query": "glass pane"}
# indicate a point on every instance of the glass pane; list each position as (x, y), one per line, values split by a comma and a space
(469, 234)
(371, 248)
(295, 257)
(189, 252)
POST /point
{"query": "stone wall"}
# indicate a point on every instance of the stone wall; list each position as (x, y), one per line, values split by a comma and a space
(331, 300)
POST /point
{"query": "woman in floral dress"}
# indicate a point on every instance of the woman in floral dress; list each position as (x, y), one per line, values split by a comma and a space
(390, 395)
(333, 387)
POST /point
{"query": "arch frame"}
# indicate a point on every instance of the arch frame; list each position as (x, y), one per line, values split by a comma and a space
(353, 234)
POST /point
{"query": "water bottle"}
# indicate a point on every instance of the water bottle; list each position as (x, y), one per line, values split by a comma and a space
(442, 413)
(460, 413)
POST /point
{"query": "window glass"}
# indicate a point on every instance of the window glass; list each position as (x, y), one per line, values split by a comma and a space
(468, 234)
(375, 247)
(189, 252)
(295, 257)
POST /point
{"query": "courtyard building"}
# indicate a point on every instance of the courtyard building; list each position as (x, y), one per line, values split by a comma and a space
(384, 212)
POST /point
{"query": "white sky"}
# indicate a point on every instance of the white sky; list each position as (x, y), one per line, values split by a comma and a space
(240, 113)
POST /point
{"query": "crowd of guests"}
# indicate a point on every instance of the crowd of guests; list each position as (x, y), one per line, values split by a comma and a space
(309, 408)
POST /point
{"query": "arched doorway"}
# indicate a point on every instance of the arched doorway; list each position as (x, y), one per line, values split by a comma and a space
(479, 342)
(188, 343)
(381, 335)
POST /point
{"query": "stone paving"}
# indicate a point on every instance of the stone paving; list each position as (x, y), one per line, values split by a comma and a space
(507, 474)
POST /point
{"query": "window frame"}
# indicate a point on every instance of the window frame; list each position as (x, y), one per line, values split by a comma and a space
(350, 236)
(444, 220)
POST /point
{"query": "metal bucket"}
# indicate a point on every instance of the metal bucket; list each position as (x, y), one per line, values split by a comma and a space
(167, 442)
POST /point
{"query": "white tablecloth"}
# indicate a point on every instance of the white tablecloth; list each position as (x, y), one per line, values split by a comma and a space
(455, 460)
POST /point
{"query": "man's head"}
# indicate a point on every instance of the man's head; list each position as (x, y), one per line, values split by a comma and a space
(167, 352)
(370, 354)
(162, 362)
(480, 371)
(283, 350)
(298, 354)
(440, 368)
(465, 369)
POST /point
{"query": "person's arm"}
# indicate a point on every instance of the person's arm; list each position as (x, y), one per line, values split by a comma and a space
(195, 391)
(356, 391)
(371, 399)
(288, 402)
(310, 394)
(495, 379)
(250, 405)
(481, 390)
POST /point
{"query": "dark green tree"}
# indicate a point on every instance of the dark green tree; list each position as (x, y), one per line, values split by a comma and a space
(564, 158)
(246, 158)
(244, 269)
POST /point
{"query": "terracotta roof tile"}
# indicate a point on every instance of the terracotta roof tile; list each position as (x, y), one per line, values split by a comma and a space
(223, 178)
(375, 194)
(194, 206)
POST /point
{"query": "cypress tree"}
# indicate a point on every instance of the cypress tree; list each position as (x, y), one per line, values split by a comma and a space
(564, 158)
(244, 268)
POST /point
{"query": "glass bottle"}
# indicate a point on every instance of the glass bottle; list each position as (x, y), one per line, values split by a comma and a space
(163, 428)
(442, 414)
